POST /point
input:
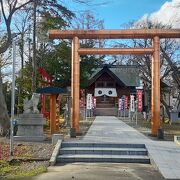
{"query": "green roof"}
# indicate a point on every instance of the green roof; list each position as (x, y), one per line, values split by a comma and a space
(127, 74)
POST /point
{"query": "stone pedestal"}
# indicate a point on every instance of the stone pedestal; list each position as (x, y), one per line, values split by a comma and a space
(30, 127)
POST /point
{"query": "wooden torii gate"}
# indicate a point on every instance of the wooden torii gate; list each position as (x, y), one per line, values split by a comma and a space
(154, 34)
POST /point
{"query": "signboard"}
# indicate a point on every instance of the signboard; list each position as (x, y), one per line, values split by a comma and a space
(132, 103)
(89, 101)
(139, 100)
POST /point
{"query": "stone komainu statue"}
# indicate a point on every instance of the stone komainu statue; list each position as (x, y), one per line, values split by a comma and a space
(30, 106)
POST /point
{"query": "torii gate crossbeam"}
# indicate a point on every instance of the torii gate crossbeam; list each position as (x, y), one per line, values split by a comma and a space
(154, 34)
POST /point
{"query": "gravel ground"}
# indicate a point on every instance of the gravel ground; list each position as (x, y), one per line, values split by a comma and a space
(41, 150)
(29, 158)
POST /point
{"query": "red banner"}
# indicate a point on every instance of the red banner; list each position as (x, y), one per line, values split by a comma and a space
(82, 100)
(139, 100)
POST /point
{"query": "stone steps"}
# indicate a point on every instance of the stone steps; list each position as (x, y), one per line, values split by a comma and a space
(94, 144)
(102, 152)
(108, 105)
(69, 158)
(106, 112)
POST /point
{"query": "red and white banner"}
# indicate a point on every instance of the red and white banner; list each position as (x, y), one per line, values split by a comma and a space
(126, 102)
(139, 100)
(89, 101)
(120, 104)
(82, 102)
(93, 101)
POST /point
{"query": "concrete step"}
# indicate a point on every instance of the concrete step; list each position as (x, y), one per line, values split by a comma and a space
(79, 151)
(104, 145)
(104, 150)
(70, 158)
(106, 112)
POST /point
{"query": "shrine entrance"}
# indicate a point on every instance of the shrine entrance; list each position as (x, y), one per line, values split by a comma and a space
(154, 34)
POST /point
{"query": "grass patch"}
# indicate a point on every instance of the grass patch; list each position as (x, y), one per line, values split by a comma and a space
(27, 173)
(18, 170)
(5, 168)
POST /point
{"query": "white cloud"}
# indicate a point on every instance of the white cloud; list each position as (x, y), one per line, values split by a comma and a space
(168, 14)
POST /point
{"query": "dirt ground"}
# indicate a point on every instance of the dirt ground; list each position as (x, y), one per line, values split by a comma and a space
(30, 158)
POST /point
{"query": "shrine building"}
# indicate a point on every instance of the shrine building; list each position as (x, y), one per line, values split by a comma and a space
(109, 83)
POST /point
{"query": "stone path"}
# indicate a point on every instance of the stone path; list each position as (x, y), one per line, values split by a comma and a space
(165, 155)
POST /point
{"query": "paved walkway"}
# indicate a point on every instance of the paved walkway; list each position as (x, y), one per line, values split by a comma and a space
(100, 171)
(165, 155)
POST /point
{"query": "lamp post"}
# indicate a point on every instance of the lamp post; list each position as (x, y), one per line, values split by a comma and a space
(34, 63)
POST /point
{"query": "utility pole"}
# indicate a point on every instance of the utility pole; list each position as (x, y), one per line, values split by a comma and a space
(34, 62)
(12, 101)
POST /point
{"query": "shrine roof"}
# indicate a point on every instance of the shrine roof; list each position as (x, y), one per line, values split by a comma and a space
(52, 90)
(123, 74)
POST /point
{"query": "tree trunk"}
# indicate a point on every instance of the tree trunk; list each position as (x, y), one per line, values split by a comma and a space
(166, 106)
(4, 117)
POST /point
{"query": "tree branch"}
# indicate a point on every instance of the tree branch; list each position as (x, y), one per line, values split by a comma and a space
(3, 12)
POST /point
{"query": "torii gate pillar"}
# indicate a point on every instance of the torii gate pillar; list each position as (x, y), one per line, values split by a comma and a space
(155, 89)
(75, 78)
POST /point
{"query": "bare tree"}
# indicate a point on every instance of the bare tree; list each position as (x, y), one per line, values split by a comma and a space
(87, 20)
(170, 73)
(8, 9)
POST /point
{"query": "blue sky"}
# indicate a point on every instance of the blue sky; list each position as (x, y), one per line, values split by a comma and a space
(116, 13)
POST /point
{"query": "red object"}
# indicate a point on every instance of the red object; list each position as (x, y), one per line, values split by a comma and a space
(82, 101)
(126, 102)
(47, 79)
(139, 100)
(92, 101)
(45, 76)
